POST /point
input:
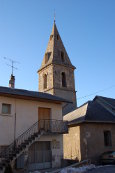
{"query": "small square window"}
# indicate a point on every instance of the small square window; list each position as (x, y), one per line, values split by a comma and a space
(6, 108)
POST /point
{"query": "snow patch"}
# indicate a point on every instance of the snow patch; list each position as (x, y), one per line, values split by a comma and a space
(77, 170)
(81, 169)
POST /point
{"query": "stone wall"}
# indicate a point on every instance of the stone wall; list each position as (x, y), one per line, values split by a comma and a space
(87, 141)
(92, 140)
(54, 84)
(49, 72)
(57, 63)
(57, 71)
(71, 144)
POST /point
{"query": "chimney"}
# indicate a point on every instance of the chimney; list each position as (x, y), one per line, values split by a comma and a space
(12, 81)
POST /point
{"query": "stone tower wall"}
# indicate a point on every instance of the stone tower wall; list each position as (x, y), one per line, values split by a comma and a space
(57, 71)
(54, 82)
(49, 72)
(68, 92)
(57, 67)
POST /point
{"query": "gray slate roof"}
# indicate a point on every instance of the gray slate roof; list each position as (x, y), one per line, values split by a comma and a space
(93, 111)
(110, 101)
(29, 94)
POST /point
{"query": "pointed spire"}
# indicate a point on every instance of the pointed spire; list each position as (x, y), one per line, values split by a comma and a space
(56, 52)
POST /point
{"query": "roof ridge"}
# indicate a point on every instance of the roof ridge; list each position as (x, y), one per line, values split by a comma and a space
(27, 93)
(102, 98)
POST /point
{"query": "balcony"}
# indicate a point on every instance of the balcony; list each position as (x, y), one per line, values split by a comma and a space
(38, 129)
(53, 126)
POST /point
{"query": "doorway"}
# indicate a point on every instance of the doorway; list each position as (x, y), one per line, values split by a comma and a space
(40, 156)
(44, 118)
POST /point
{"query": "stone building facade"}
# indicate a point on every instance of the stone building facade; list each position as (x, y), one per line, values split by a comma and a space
(91, 130)
(87, 141)
(56, 74)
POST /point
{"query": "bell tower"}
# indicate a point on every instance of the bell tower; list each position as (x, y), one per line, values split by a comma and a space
(56, 74)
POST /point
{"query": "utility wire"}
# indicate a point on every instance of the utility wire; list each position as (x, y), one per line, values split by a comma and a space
(82, 97)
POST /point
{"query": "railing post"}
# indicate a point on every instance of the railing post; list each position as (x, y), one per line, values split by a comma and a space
(52, 126)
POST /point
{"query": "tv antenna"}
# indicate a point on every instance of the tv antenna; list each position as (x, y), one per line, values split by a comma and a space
(12, 64)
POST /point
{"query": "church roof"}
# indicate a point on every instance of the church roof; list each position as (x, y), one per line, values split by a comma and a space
(29, 95)
(56, 52)
(101, 109)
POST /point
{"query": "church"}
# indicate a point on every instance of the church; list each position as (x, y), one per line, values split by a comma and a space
(93, 121)
(56, 74)
(36, 127)
(31, 122)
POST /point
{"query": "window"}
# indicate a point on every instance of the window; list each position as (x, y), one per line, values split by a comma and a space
(57, 37)
(63, 79)
(107, 138)
(45, 81)
(62, 56)
(6, 108)
(51, 36)
(47, 57)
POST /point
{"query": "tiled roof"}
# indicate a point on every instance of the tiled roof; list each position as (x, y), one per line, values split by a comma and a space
(92, 111)
(6, 91)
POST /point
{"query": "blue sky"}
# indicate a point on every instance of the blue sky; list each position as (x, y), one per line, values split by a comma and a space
(87, 28)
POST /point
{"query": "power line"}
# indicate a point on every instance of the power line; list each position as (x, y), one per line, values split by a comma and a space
(82, 97)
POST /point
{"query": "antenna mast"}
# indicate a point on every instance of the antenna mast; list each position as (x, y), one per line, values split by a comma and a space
(12, 77)
(12, 64)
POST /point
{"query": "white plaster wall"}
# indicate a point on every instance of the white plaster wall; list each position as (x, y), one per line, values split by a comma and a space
(26, 116)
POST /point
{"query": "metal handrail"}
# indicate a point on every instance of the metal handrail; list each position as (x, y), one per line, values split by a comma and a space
(19, 140)
(48, 125)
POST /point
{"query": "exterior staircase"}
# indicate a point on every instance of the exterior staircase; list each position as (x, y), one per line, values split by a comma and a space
(24, 141)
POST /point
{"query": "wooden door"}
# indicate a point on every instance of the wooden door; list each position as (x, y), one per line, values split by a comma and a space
(44, 118)
(40, 155)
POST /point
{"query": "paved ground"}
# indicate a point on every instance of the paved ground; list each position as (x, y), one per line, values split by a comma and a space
(104, 169)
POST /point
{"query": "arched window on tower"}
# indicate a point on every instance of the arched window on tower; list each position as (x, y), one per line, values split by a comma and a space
(45, 81)
(63, 79)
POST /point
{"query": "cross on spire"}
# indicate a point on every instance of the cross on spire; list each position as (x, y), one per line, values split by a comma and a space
(54, 16)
